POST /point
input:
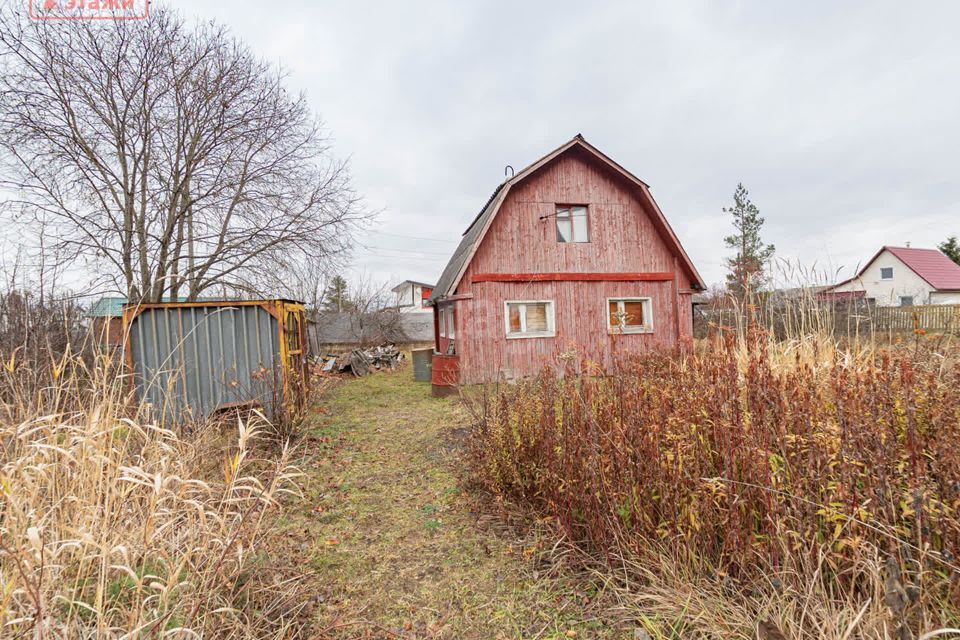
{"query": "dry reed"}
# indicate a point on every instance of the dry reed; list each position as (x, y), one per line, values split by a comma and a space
(113, 527)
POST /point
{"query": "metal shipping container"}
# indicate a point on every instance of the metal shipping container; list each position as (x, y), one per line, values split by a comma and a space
(192, 359)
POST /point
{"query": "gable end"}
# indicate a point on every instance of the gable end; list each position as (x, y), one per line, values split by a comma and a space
(473, 236)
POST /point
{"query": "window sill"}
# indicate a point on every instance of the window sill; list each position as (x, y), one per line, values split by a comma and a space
(629, 331)
(539, 334)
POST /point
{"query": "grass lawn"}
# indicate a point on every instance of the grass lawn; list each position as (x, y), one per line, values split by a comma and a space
(397, 547)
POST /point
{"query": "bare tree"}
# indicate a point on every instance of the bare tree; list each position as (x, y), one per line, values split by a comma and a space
(306, 281)
(167, 156)
(373, 316)
(369, 319)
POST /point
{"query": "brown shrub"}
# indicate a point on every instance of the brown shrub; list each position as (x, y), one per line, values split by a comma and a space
(754, 461)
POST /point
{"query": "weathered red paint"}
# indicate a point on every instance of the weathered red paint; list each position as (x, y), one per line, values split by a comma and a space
(630, 254)
(661, 276)
(109, 331)
(444, 374)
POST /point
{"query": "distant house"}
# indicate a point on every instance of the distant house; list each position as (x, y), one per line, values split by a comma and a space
(902, 276)
(106, 319)
(570, 253)
(412, 296)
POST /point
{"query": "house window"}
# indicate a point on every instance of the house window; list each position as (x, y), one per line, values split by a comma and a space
(451, 331)
(886, 273)
(446, 322)
(906, 301)
(629, 315)
(529, 318)
(572, 224)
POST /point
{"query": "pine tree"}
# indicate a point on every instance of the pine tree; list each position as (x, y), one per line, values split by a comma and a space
(336, 296)
(951, 248)
(746, 267)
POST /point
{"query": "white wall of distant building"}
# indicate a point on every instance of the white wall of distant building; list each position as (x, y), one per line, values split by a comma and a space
(905, 286)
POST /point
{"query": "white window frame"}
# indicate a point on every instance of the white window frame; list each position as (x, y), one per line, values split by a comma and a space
(446, 321)
(452, 323)
(551, 320)
(573, 234)
(647, 313)
(902, 298)
(882, 270)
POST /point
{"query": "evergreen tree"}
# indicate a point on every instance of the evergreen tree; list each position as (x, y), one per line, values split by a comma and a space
(951, 248)
(746, 267)
(336, 297)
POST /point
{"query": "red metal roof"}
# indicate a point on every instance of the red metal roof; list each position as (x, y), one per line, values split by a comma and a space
(938, 270)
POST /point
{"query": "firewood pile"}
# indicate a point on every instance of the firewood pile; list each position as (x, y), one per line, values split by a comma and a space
(361, 362)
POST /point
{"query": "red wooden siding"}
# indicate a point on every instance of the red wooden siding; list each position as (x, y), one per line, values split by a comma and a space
(663, 276)
(520, 259)
(581, 322)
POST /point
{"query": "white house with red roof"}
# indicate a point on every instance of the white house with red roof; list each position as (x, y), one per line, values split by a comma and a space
(903, 276)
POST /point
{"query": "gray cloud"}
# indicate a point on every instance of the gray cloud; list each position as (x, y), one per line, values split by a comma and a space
(841, 118)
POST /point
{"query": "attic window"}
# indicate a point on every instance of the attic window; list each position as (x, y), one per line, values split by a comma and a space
(572, 224)
(886, 273)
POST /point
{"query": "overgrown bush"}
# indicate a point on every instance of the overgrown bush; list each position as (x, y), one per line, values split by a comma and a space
(35, 325)
(759, 462)
(41, 342)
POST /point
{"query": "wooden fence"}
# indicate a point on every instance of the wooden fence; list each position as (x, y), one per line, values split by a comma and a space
(935, 317)
(839, 319)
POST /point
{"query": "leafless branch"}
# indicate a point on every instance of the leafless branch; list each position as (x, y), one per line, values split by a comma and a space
(168, 155)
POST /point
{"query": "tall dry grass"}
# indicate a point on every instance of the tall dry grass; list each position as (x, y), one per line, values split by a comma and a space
(113, 527)
(750, 486)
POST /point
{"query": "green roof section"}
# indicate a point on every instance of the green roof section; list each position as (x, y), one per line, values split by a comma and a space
(112, 306)
(107, 307)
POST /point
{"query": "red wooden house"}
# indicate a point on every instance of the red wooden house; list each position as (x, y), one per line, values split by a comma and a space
(570, 253)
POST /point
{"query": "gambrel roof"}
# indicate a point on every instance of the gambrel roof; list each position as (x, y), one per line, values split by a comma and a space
(473, 236)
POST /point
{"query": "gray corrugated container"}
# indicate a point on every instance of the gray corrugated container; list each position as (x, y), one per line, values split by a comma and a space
(422, 364)
(190, 360)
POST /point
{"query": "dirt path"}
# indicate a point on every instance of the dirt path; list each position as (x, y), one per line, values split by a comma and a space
(396, 544)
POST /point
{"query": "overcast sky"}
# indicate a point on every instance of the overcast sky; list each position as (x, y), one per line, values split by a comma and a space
(841, 118)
